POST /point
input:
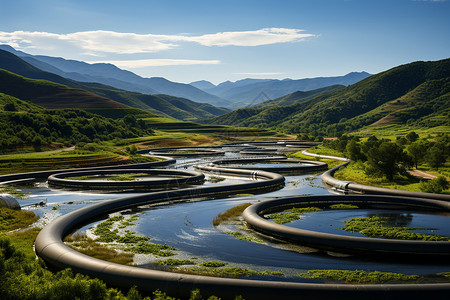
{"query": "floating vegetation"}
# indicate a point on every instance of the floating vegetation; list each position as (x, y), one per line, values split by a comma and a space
(232, 272)
(359, 277)
(231, 214)
(130, 238)
(213, 264)
(136, 244)
(175, 262)
(104, 230)
(125, 177)
(292, 214)
(215, 179)
(343, 206)
(245, 237)
(161, 250)
(13, 192)
(92, 248)
(377, 226)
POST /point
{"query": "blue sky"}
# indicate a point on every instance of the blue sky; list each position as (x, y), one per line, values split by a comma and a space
(216, 40)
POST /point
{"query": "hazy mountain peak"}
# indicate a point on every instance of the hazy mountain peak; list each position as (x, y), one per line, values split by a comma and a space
(202, 84)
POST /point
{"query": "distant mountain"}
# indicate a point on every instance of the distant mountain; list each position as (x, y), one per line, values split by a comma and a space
(247, 92)
(417, 93)
(111, 75)
(163, 105)
(202, 85)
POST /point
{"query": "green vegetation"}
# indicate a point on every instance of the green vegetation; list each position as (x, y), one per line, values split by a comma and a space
(232, 272)
(36, 127)
(25, 278)
(292, 214)
(213, 264)
(231, 214)
(175, 262)
(435, 185)
(13, 192)
(359, 277)
(117, 177)
(343, 206)
(381, 162)
(88, 246)
(14, 219)
(376, 226)
(415, 94)
(244, 237)
(108, 232)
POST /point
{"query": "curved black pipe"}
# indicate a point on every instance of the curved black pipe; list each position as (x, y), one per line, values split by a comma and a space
(349, 243)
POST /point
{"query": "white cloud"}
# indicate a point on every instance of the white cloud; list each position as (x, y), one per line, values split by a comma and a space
(143, 63)
(97, 42)
(260, 37)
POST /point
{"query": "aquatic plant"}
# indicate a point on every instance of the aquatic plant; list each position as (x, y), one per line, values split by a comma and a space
(292, 214)
(358, 277)
(376, 226)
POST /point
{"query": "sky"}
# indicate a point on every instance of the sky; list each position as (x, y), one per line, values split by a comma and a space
(215, 40)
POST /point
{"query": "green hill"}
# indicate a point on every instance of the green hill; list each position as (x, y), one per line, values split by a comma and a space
(51, 95)
(25, 124)
(163, 105)
(416, 93)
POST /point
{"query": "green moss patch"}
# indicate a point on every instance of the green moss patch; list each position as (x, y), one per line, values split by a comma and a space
(359, 277)
(292, 214)
(376, 226)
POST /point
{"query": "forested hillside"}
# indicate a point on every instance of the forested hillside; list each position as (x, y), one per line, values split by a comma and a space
(26, 124)
(416, 93)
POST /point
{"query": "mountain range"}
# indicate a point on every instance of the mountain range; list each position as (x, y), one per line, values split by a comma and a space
(417, 94)
(19, 80)
(228, 94)
(248, 92)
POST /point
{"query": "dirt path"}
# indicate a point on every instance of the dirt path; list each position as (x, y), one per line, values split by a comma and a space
(421, 174)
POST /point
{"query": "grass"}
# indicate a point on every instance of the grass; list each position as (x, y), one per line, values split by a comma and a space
(159, 250)
(176, 262)
(292, 214)
(376, 226)
(231, 214)
(231, 272)
(299, 155)
(359, 277)
(13, 192)
(15, 219)
(11, 223)
(355, 172)
(90, 247)
(245, 237)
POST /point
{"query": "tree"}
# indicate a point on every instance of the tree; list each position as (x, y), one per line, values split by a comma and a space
(354, 152)
(436, 156)
(435, 185)
(412, 137)
(386, 160)
(418, 150)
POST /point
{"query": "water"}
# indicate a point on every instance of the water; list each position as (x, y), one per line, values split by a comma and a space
(188, 227)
